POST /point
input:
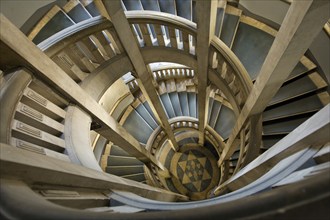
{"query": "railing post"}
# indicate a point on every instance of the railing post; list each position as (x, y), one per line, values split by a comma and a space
(206, 14)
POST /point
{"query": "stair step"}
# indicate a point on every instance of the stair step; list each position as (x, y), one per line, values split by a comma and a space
(214, 116)
(132, 5)
(138, 127)
(251, 46)
(91, 7)
(211, 100)
(220, 17)
(146, 116)
(270, 140)
(230, 25)
(147, 106)
(54, 21)
(225, 122)
(284, 126)
(139, 177)
(167, 105)
(76, 11)
(300, 106)
(123, 161)
(167, 6)
(151, 5)
(184, 9)
(117, 151)
(175, 103)
(124, 170)
(235, 155)
(192, 101)
(302, 67)
(298, 87)
(184, 103)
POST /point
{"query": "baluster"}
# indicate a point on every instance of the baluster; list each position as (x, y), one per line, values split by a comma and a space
(159, 34)
(71, 52)
(192, 45)
(185, 41)
(213, 61)
(138, 37)
(86, 62)
(64, 61)
(58, 59)
(112, 35)
(146, 35)
(91, 50)
(239, 98)
(173, 39)
(103, 44)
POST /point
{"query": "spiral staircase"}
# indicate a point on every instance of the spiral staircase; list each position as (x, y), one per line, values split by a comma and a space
(164, 109)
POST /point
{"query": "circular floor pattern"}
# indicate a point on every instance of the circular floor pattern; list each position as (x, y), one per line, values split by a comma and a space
(195, 170)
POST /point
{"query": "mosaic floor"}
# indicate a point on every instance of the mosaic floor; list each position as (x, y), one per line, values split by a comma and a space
(196, 171)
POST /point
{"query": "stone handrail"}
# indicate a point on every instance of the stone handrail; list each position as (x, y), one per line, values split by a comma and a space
(88, 27)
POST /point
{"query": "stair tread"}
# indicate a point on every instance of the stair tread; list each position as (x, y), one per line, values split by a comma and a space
(92, 9)
(192, 102)
(175, 103)
(150, 5)
(219, 21)
(300, 106)
(184, 103)
(167, 6)
(294, 89)
(124, 170)
(59, 21)
(225, 122)
(146, 116)
(283, 127)
(136, 177)
(132, 5)
(77, 13)
(215, 112)
(251, 46)
(122, 161)
(229, 27)
(167, 105)
(184, 9)
(297, 71)
(134, 124)
(117, 151)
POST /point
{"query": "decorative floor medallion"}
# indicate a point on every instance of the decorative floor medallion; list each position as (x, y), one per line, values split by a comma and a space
(196, 171)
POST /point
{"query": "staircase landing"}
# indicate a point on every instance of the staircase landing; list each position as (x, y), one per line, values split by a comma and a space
(196, 171)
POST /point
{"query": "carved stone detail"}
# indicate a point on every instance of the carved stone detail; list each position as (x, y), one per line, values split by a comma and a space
(26, 146)
(36, 97)
(29, 129)
(31, 112)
